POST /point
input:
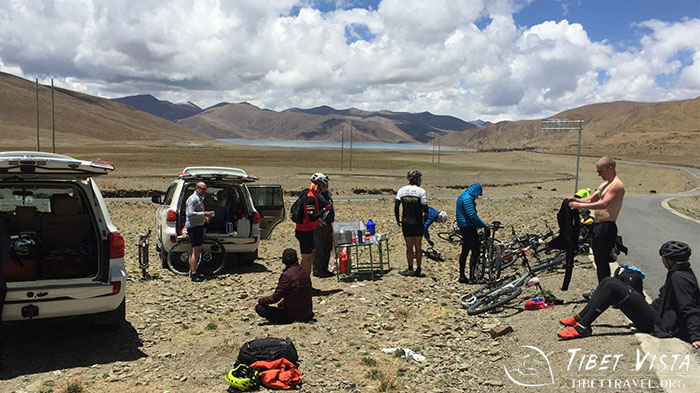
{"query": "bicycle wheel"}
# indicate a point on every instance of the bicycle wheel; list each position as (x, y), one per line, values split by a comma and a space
(178, 257)
(467, 300)
(495, 260)
(493, 301)
(452, 237)
(211, 261)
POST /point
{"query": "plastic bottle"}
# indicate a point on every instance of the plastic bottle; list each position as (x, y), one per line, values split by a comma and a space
(370, 227)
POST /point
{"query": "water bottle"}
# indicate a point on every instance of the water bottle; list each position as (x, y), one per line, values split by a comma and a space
(370, 227)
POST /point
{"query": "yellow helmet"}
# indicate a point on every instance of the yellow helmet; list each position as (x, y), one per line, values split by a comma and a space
(242, 377)
(583, 193)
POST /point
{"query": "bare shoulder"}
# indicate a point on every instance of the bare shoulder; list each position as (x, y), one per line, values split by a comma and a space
(618, 184)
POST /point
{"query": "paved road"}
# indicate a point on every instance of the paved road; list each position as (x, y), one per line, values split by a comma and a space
(644, 225)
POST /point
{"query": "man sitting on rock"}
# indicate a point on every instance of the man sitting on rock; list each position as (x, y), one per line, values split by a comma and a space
(294, 289)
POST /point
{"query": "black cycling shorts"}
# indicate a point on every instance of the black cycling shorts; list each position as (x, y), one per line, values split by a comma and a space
(306, 241)
(412, 230)
(196, 235)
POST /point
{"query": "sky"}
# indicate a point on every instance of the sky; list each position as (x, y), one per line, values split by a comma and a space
(474, 59)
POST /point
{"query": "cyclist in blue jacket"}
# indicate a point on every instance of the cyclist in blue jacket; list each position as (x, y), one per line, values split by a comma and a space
(432, 216)
(468, 221)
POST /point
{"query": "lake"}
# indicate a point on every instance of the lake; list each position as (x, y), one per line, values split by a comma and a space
(337, 145)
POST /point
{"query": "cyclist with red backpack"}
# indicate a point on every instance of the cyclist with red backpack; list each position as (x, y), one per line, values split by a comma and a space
(304, 231)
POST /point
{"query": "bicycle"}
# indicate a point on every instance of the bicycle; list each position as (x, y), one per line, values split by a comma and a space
(491, 253)
(212, 260)
(502, 291)
(454, 236)
(143, 253)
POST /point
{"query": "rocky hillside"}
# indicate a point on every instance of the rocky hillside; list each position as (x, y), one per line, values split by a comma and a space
(78, 116)
(660, 131)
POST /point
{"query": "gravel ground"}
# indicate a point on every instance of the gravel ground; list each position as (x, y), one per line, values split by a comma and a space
(183, 336)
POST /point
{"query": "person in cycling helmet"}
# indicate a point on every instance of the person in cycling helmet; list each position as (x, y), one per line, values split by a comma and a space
(304, 232)
(242, 377)
(674, 313)
(431, 217)
(586, 218)
(414, 201)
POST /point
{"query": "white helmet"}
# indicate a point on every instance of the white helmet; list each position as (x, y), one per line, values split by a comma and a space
(319, 178)
(442, 216)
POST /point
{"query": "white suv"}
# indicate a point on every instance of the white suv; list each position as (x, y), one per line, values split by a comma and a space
(244, 213)
(67, 256)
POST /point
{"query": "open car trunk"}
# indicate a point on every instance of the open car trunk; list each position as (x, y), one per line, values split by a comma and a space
(228, 202)
(53, 231)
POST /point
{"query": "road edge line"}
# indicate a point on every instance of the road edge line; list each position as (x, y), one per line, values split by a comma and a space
(668, 208)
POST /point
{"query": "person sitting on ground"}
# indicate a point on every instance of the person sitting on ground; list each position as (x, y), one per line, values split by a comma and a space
(431, 217)
(414, 201)
(468, 221)
(586, 218)
(675, 313)
(294, 289)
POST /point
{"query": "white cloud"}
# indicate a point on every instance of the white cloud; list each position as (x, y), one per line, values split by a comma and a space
(418, 55)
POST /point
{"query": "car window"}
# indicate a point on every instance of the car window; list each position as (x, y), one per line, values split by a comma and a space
(169, 194)
(41, 197)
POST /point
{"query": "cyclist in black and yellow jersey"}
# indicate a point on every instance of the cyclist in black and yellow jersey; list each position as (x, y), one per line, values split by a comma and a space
(415, 205)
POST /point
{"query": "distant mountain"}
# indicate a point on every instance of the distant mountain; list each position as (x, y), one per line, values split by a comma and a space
(78, 117)
(322, 123)
(481, 123)
(160, 108)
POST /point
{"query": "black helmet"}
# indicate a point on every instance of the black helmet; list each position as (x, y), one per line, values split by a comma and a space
(675, 251)
(413, 174)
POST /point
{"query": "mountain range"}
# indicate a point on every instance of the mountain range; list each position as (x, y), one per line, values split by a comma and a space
(666, 132)
(246, 121)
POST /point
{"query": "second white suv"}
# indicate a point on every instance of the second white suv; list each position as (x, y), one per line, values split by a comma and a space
(67, 256)
(244, 213)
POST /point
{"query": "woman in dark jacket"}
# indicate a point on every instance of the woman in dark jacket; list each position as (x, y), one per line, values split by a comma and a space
(675, 313)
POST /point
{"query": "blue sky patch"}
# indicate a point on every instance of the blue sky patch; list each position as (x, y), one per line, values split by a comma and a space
(602, 77)
(355, 32)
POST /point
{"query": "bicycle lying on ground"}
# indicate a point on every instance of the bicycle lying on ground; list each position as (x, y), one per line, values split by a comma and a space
(503, 290)
(212, 260)
(454, 236)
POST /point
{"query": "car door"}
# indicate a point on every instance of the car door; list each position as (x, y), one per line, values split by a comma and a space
(269, 202)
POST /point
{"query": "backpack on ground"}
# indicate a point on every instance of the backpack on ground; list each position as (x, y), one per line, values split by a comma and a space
(298, 210)
(268, 348)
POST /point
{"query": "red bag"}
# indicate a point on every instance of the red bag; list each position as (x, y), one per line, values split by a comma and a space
(278, 374)
(19, 270)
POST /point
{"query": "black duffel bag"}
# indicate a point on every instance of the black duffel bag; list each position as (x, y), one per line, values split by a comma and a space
(268, 348)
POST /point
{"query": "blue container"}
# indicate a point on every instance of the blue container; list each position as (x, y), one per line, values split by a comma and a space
(370, 227)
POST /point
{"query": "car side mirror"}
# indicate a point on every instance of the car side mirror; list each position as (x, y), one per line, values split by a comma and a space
(156, 199)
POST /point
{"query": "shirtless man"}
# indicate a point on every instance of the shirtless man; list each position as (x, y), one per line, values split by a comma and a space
(606, 202)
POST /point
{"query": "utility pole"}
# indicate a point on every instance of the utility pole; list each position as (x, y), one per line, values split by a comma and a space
(351, 127)
(53, 123)
(342, 147)
(37, 113)
(433, 155)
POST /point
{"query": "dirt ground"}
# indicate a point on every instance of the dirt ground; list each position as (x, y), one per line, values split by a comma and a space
(183, 336)
(690, 206)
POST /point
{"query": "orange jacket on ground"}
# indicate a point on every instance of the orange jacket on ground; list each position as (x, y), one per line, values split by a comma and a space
(278, 374)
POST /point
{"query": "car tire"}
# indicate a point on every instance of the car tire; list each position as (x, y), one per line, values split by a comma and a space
(111, 321)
